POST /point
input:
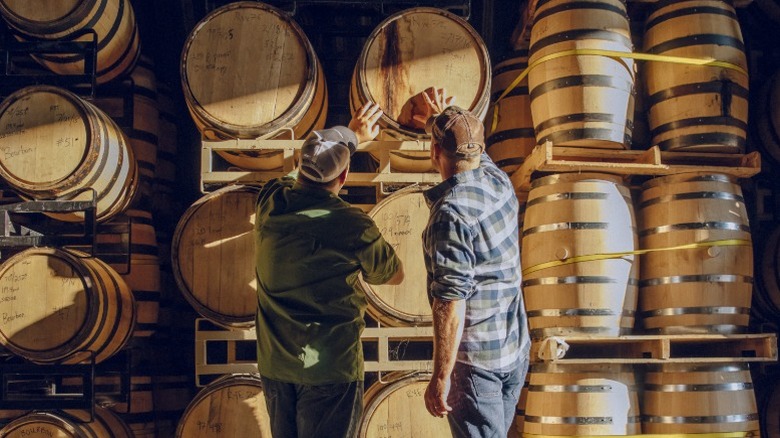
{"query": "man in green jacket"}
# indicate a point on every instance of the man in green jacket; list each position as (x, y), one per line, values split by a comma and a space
(310, 249)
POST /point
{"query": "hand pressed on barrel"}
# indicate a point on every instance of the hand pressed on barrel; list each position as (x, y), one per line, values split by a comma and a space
(420, 107)
(364, 122)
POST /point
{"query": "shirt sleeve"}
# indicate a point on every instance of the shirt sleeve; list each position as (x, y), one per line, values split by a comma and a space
(450, 243)
(378, 261)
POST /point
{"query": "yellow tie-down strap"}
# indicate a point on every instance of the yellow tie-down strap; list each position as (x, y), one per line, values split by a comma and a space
(617, 255)
(705, 62)
(753, 433)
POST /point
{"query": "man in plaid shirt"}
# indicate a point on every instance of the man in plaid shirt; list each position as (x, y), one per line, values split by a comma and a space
(472, 257)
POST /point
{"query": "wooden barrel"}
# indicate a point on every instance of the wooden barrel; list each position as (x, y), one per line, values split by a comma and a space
(401, 218)
(140, 268)
(58, 302)
(68, 424)
(172, 393)
(413, 50)
(166, 205)
(133, 105)
(395, 406)
(136, 409)
(699, 398)
(8, 415)
(582, 100)
(141, 239)
(144, 280)
(768, 120)
(767, 295)
(239, 90)
(175, 319)
(640, 134)
(233, 405)
(213, 256)
(112, 20)
(569, 216)
(407, 160)
(582, 400)
(513, 138)
(699, 290)
(696, 108)
(54, 143)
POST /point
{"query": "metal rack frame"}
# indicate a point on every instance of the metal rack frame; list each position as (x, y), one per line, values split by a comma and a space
(10, 46)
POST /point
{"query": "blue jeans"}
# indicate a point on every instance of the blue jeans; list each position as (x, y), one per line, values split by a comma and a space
(307, 411)
(484, 402)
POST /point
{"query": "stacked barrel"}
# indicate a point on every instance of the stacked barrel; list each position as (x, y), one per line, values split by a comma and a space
(601, 257)
(273, 88)
(585, 234)
(110, 24)
(64, 306)
(71, 307)
(282, 84)
(212, 249)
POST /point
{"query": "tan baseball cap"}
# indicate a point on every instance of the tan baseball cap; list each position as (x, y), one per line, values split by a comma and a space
(458, 132)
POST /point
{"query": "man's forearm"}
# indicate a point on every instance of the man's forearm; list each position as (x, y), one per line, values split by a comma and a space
(448, 319)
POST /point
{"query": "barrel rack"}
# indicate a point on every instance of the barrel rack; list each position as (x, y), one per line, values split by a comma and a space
(545, 157)
(22, 225)
(652, 162)
(17, 380)
(215, 173)
(29, 386)
(221, 351)
(82, 44)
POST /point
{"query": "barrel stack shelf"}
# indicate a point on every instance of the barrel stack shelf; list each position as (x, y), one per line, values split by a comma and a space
(654, 357)
(652, 162)
(214, 173)
(77, 381)
(28, 385)
(544, 158)
(219, 350)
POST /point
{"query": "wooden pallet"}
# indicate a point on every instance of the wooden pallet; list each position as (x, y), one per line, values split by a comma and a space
(657, 349)
(653, 162)
(219, 351)
(214, 177)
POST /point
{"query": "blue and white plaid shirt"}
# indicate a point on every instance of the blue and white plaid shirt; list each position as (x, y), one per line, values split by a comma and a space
(471, 252)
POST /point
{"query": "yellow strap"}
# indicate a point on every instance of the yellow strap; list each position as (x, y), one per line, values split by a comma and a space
(706, 62)
(753, 433)
(617, 255)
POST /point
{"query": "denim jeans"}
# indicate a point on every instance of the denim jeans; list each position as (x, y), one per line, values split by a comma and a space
(306, 411)
(484, 402)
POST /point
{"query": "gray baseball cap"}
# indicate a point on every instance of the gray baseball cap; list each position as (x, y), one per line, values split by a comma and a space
(326, 152)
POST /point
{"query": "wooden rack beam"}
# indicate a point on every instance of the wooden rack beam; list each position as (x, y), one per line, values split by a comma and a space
(657, 349)
(213, 177)
(654, 162)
